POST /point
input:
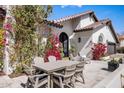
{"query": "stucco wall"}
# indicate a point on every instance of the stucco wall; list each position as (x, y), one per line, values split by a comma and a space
(107, 34)
(76, 23)
(86, 20)
(67, 28)
(84, 38)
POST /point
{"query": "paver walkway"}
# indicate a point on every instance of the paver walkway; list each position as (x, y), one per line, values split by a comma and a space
(7, 82)
(93, 74)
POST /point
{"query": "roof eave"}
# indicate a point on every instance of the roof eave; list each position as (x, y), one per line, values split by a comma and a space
(94, 16)
(83, 30)
(91, 12)
(52, 23)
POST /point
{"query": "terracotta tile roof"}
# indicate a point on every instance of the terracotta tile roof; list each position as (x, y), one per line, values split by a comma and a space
(93, 26)
(75, 16)
(121, 37)
(52, 23)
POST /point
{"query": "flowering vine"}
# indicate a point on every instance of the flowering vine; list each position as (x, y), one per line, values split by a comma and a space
(2, 40)
(53, 48)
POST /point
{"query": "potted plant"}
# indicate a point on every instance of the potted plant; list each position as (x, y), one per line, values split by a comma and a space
(120, 61)
(72, 50)
(113, 65)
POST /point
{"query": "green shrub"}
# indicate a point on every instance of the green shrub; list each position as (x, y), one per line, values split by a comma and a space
(19, 69)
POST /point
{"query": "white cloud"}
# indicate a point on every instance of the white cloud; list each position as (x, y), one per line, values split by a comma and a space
(79, 6)
(63, 6)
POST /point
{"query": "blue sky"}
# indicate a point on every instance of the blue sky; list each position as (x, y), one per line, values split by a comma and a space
(114, 13)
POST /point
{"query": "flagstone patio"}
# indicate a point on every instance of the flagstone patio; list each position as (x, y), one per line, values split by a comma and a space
(93, 73)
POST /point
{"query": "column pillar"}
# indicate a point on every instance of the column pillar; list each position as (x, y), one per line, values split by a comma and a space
(6, 49)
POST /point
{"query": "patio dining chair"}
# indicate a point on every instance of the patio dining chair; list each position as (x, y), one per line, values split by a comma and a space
(30, 70)
(37, 81)
(38, 60)
(52, 59)
(76, 58)
(66, 78)
(79, 72)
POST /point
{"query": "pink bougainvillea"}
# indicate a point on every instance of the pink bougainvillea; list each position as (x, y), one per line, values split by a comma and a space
(52, 48)
(8, 26)
(8, 29)
(98, 51)
(53, 52)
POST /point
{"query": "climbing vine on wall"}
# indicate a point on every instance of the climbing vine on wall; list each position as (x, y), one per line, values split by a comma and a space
(2, 42)
(27, 20)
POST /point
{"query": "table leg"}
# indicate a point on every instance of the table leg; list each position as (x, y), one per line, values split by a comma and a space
(49, 81)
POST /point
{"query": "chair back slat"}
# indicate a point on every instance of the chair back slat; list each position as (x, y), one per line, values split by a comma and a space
(38, 60)
(52, 59)
(69, 73)
(80, 67)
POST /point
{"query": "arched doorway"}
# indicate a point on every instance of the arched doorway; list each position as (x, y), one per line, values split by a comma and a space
(63, 37)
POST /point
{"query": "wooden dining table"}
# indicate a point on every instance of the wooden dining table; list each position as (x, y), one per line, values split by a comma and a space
(50, 67)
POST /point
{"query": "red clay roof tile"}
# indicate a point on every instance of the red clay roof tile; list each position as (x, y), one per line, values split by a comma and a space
(92, 26)
(74, 16)
(121, 37)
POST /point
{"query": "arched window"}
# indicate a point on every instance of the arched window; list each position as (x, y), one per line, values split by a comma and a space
(101, 38)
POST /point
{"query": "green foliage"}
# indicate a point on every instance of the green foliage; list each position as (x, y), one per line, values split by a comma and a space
(1, 47)
(1, 64)
(19, 68)
(61, 51)
(28, 18)
(72, 50)
(120, 60)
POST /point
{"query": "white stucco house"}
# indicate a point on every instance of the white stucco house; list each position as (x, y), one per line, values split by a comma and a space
(82, 30)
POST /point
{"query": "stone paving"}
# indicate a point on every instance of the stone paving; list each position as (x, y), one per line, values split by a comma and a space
(93, 73)
(6, 82)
